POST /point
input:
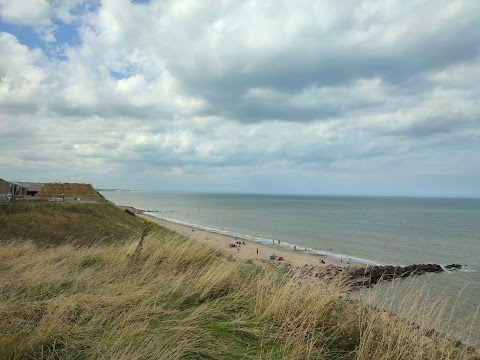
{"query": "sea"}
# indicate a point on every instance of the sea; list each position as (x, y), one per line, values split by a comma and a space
(371, 230)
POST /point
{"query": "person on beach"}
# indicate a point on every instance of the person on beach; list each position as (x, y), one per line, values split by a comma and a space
(257, 250)
(294, 247)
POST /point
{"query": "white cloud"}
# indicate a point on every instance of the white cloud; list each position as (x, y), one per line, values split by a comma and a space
(21, 76)
(26, 12)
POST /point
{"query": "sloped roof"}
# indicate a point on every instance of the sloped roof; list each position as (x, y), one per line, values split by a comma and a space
(12, 182)
(66, 190)
(30, 185)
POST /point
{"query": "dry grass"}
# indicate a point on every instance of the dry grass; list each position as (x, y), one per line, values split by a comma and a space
(66, 190)
(178, 299)
(175, 301)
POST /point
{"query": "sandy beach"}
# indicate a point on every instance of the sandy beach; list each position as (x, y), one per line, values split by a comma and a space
(249, 249)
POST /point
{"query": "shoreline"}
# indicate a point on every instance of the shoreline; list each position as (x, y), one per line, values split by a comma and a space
(306, 261)
(249, 249)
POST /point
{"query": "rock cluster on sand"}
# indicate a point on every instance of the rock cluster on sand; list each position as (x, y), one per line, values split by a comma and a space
(369, 275)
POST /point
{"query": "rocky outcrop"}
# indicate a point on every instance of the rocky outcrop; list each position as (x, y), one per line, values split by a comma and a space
(374, 274)
(453, 267)
(370, 275)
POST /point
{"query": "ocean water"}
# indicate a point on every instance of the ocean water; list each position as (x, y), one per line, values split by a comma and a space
(374, 230)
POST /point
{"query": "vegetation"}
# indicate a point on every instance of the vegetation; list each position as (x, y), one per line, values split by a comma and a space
(77, 223)
(67, 190)
(178, 299)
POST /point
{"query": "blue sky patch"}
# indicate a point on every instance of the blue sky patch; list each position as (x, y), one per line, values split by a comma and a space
(66, 33)
(26, 35)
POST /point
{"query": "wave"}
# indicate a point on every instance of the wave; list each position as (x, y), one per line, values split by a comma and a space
(463, 269)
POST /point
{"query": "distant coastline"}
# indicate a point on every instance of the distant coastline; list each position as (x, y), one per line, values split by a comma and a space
(113, 190)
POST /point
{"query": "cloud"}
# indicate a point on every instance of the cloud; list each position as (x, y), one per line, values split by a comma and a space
(26, 12)
(261, 90)
(21, 76)
(437, 114)
(290, 51)
(44, 16)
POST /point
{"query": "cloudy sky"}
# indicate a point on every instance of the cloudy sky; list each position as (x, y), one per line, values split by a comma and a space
(315, 97)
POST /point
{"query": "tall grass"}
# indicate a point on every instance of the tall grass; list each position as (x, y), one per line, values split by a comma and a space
(179, 299)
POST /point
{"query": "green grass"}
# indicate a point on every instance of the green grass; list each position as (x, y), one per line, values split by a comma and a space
(59, 223)
(179, 299)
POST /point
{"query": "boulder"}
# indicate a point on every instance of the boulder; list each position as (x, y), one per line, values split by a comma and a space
(453, 267)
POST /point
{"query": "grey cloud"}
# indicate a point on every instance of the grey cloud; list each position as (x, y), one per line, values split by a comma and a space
(37, 157)
(308, 61)
(109, 110)
(423, 121)
(15, 107)
(430, 126)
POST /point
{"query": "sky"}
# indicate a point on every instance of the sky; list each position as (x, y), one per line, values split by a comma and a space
(354, 97)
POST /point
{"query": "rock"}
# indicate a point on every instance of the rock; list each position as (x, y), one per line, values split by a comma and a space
(453, 267)
(369, 275)
(374, 274)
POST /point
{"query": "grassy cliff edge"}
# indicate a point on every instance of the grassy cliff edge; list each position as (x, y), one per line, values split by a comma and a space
(57, 223)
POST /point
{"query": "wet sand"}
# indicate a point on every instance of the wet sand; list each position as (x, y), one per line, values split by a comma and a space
(248, 251)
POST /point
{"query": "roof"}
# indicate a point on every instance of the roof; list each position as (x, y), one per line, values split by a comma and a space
(13, 182)
(66, 190)
(30, 185)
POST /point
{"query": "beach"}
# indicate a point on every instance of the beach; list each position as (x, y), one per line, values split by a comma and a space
(249, 249)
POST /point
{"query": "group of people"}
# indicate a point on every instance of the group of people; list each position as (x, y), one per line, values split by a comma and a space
(240, 242)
